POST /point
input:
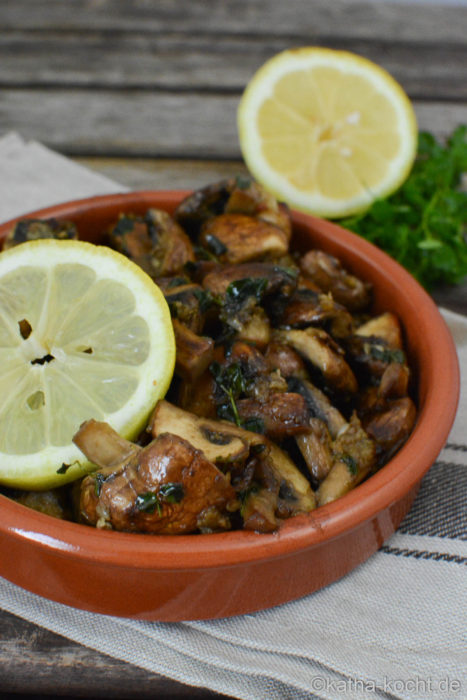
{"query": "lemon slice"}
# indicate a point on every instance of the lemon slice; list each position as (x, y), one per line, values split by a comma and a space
(326, 131)
(84, 333)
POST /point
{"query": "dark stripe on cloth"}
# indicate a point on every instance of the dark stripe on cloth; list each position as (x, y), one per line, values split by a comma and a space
(421, 554)
(440, 507)
(456, 446)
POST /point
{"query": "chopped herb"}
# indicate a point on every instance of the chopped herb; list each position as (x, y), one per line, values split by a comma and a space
(231, 381)
(148, 502)
(204, 254)
(177, 282)
(215, 245)
(63, 469)
(254, 424)
(385, 354)
(205, 299)
(423, 224)
(172, 492)
(243, 182)
(99, 479)
(257, 449)
(239, 291)
(351, 463)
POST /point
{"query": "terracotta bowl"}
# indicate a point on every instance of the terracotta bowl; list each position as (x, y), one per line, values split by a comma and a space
(206, 576)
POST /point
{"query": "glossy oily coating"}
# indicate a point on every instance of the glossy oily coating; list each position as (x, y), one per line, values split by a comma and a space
(166, 488)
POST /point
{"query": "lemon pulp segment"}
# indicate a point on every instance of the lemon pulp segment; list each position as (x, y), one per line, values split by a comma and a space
(84, 333)
(326, 131)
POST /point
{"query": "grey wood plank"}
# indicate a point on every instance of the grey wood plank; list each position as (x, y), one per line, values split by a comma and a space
(163, 174)
(196, 62)
(152, 124)
(36, 661)
(310, 18)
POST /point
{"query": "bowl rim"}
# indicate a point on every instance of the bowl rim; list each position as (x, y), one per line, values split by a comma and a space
(379, 492)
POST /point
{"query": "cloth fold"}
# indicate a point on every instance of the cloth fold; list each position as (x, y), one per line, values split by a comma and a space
(393, 627)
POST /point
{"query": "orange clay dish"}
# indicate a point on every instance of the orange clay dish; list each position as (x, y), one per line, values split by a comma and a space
(288, 391)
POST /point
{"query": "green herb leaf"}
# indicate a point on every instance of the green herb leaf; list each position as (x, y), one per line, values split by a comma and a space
(423, 224)
(172, 492)
(148, 502)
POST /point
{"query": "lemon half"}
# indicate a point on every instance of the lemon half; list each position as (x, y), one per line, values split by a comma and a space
(84, 333)
(326, 131)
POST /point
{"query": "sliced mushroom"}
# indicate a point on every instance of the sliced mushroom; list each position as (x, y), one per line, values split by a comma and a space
(281, 415)
(221, 442)
(280, 280)
(354, 455)
(240, 195)
(319, 406)
(130, 236)
(327, 272)
(309, 308)
(102, 445)
(385, 326)
(184, 303)
(370, 356)
(259, 510)
(172, 248)
(286, 360)
(317, 346)
(201, 205)
(316, 449)
(294, 489)
(194, 352)
(394, 383)
(32, 229)
(237, 238)
(164, 489)
(256, 329)
(391, 427)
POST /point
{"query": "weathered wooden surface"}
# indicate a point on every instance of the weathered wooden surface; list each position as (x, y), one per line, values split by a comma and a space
(146, 93)
(34, 661)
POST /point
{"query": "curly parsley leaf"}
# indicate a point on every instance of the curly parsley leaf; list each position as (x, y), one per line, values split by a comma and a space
(423, 224)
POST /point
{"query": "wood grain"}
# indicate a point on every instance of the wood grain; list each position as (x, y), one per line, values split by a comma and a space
(308, 19)
(36, 661)
(152, 124)
(196, 62)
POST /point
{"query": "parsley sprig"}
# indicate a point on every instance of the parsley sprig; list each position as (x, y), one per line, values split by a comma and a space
(423, 224)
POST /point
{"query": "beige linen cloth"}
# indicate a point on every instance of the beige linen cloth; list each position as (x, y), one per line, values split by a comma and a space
(393, 628)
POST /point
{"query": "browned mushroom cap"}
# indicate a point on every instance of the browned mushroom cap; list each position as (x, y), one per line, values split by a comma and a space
(281, 415)
(308, 308)
(286, 360)
(395, 381)
(328, 273)
(319, 405)
(164, 490)
(129, 235)
(194, 352)
(354, 456)
(316, 346)
(391, 427)
(202, 204)
(184, 302)
(33, 229)
(237, 238)
(370, 356)
(172, 248)
(316, 449)
(249, 197)
(386, 326)
(240, 195)
(279, 279)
